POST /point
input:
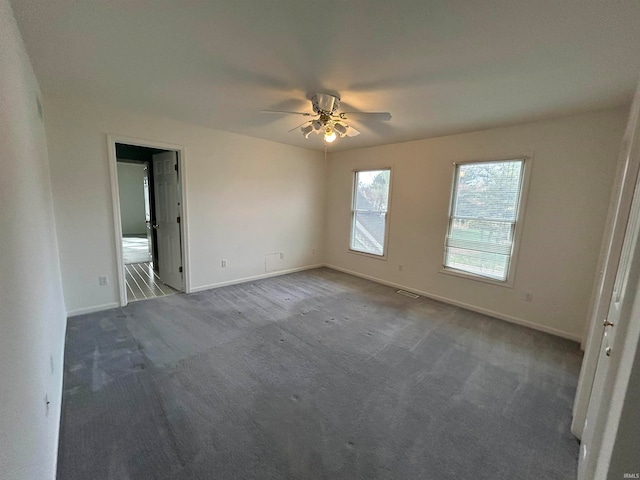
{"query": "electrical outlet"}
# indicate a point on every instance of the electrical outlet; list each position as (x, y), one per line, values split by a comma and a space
(313, 251)
(401, 268)
(281, 256)
(224, 264)
(103, 280)
(528, 296)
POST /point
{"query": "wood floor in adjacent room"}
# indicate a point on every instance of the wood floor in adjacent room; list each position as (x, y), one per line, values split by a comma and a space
(313, 375)
(143, 283)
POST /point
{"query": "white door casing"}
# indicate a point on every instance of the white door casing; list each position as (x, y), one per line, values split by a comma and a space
(168, 212)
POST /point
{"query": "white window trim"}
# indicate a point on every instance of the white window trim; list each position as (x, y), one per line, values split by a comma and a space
(385, 247)
(519, 223)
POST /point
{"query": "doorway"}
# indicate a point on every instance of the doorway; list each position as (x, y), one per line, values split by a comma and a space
(147, 187)
(135, 209)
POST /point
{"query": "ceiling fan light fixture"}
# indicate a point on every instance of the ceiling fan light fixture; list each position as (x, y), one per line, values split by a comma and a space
(329, 122)
(306, 130)
(329, 135)
(340, 128)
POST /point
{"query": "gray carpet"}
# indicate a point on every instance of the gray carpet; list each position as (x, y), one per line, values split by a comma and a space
(313, 375)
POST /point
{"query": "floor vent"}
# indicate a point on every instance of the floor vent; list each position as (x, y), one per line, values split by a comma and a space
(407, 294)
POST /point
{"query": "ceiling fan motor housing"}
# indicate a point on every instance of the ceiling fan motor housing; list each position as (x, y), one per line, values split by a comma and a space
(323, 103)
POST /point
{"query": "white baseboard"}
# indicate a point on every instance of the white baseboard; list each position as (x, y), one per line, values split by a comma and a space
(97, 308)
(108, 306)
(484, 311)
(450, 301)
(253, 278)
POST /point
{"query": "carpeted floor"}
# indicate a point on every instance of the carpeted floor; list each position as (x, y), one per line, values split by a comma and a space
(313, 375)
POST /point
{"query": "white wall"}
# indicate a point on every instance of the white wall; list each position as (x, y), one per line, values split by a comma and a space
(246, 198)
(574, 161)
(131, 193)
(32, 317)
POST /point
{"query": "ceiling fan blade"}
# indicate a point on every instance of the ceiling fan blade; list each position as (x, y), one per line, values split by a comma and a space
(352, 132)
(384, 116)
(295, 128)
(306, 114)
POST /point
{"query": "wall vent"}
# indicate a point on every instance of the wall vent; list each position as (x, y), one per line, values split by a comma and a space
(407, 294)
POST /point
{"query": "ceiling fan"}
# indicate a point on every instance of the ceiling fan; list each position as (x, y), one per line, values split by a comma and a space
(328, 121)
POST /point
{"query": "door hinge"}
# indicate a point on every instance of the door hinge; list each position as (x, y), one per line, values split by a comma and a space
(175, 166)
(180, 269)
(178, 219)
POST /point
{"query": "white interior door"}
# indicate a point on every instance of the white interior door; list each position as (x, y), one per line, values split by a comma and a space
(168, 212)
(591, 443)
(595, 451)
(617, 219)
(147, 209)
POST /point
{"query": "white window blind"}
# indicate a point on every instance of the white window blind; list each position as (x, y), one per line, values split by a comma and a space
(484, 212)
(369, 211)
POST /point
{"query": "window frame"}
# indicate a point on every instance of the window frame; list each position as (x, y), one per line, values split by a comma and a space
(354, 189)
(518, 225)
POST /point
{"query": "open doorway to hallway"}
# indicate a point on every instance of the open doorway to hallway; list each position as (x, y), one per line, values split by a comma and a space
(150, 203)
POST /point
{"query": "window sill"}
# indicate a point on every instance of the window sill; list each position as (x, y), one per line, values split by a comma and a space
(369, 255)
(470, 276)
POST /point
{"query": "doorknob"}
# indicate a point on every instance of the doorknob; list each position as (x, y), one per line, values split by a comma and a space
(607, 323)
(607, 351)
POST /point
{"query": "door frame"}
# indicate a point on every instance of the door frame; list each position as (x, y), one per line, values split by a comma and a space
(616, 226)
(115, 202)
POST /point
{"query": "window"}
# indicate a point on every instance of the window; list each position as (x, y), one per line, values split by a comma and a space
(369, 211)
(483, 218)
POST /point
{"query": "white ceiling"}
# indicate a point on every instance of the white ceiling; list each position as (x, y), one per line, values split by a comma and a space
(439, 67)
